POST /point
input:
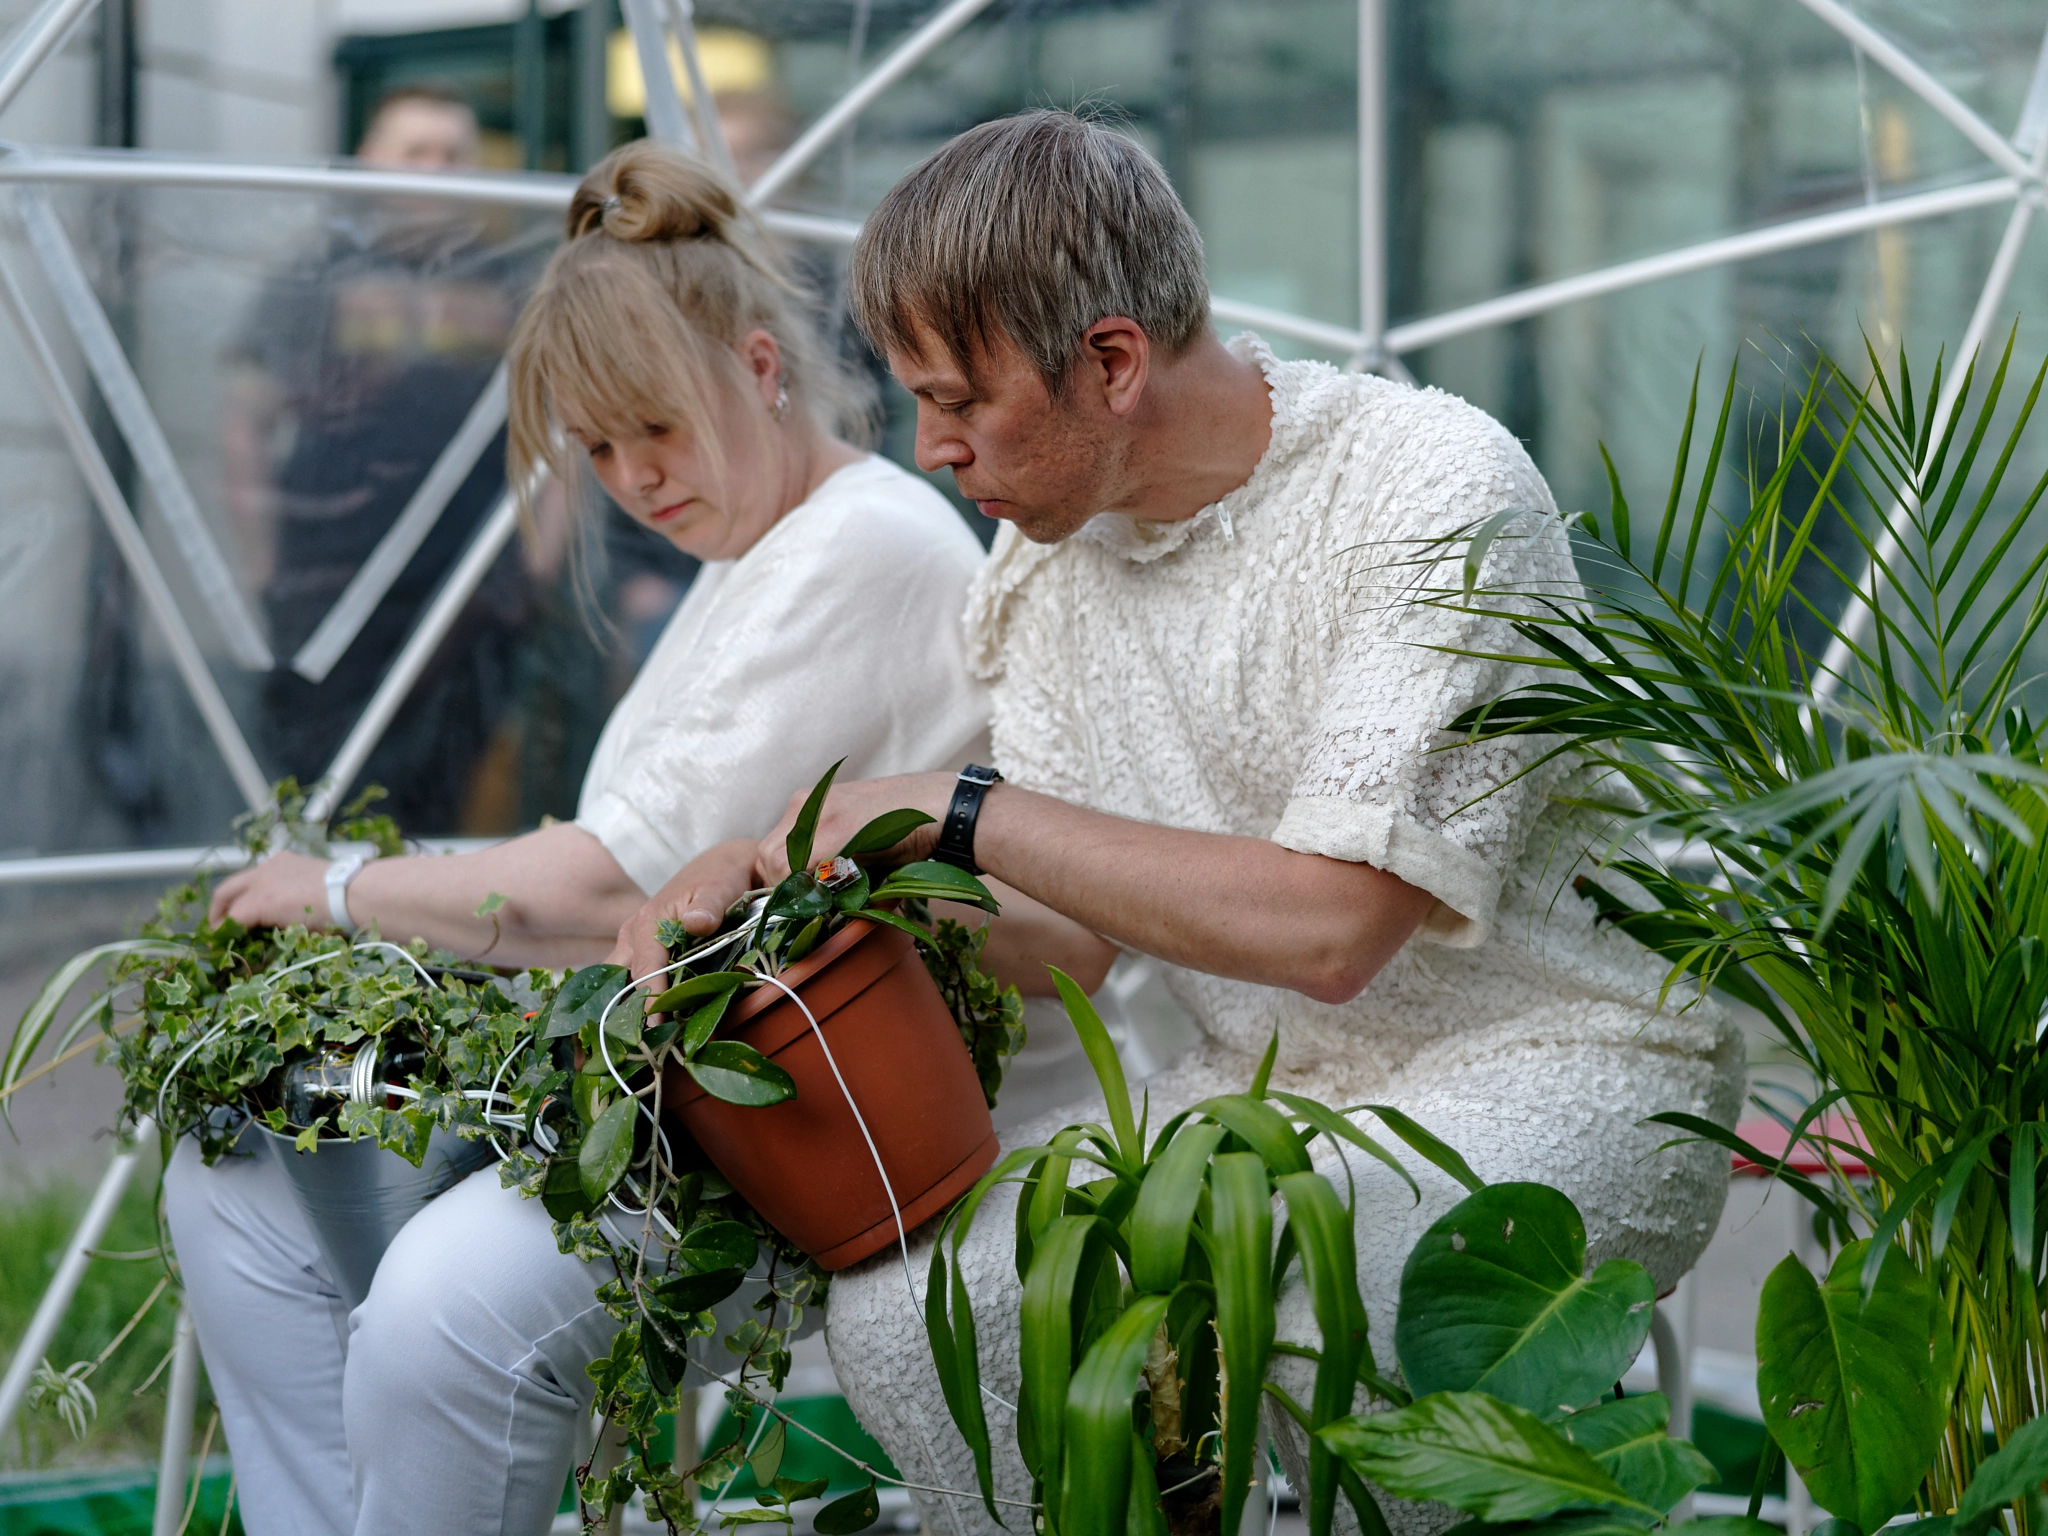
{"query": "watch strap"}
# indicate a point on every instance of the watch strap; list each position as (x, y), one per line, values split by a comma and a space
(341, 869)
(956, 831)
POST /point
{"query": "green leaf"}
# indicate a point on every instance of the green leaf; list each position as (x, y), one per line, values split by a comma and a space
(582, 999)
(1261, 1128)
(739, 1074)
(1165, 1212)
(561, 1190)
(799, 898)
(697, 1032)
(36, 1022)
(929, 880)
(1322, 1230)
(666, 1365)
(1479, 1454)
(608, 1149)
(1241, 1258)
(1858, 1415)
(1482, 541)
(955, 1353)
(884, 832)
(2007, 1475)
(490, 904)
(794, 1490)
(1064, 1264)
(709, 985)
(697, 1293)
(801, 831)
(766, 1460)
(1427, 1145)
(1629, 1439)
(844, 1516)
(1338, 1128)
(717, 1245)
(1495, 1299)
(1109, 1068)
(1097, 1490)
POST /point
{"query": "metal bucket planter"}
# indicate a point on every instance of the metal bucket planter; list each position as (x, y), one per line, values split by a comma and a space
(356, 1195)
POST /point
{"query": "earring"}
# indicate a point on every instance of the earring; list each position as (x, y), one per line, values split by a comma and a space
(781, 406)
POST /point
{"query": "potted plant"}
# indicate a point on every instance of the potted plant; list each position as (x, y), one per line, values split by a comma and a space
(753, 1118)
(1861, 812)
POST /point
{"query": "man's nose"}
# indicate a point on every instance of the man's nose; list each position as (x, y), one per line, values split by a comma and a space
(938, 448)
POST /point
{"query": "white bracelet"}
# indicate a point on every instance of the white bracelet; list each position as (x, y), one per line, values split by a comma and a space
(344, 867)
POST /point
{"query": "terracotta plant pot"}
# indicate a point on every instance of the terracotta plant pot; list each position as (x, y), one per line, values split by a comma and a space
(803, 1163)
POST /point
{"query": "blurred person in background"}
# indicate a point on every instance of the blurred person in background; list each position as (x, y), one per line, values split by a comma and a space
(354, 372)
(668, 349)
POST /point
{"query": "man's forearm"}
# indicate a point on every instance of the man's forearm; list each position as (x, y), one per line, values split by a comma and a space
(1233, 906)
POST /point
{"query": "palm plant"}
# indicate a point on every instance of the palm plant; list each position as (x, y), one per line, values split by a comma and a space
(1852, 840)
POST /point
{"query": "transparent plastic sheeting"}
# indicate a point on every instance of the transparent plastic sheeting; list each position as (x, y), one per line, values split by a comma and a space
(306, 361)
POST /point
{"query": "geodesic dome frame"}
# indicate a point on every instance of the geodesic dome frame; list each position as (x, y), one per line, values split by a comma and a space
(2013, 171)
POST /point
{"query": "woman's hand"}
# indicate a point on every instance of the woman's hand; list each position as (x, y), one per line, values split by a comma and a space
(696, 896)
(285, 888)
(851, 806)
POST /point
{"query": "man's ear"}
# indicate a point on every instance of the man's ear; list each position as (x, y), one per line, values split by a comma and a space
(1117, 356)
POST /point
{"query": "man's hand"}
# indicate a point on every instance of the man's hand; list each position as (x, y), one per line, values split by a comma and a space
(851, 806)
(696, 896)
(285, 888)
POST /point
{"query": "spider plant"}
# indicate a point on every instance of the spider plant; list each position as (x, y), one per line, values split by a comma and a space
(1851, 816)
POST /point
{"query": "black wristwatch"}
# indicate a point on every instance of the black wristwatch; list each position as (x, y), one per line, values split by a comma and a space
(956, 832)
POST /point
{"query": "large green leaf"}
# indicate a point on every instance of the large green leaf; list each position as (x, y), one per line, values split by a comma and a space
(1495, 1299)
(1165, 1212)
(1097, 1488)
(801, 831)
(1854, 1391)
(1329, 1263)
(929, 880)
(1628, 1439)
(697, 988)
(884, 832)
(607, 1149)
(1241, 1257)
(739, 1074)
(717, 1245)
(582, 999)
(1479, 1454)
(849, 1513)
(1064, 1262)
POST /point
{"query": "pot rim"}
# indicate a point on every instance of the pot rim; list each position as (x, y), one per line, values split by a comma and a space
(761, 996)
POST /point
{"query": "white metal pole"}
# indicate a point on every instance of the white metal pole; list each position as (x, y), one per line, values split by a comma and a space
(174, 1457)
(1895, 61)
(663, 107)
(1860, 612)
(199, 680)
(1790, 235)
(39, 37)
(129, 407)
(906, 57)
(682, 20)
(410, 662)
(1372, 175)
(42, 1328)
(340, 625)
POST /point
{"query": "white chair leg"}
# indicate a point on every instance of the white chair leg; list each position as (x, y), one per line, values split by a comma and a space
(1674, 1374)
(176, 1453)
(42, 1328)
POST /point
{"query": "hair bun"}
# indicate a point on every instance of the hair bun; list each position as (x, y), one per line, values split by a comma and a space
(649, 191)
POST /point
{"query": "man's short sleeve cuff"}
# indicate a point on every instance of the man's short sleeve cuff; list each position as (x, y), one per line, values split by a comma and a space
(628, 837)
(1466, 887)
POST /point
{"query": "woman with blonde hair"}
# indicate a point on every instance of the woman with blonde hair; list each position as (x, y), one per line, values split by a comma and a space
(665, 346)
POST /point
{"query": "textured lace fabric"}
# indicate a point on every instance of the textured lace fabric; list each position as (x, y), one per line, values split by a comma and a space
(1274, 667)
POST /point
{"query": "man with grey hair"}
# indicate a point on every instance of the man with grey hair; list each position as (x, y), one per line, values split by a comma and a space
(1219, 716)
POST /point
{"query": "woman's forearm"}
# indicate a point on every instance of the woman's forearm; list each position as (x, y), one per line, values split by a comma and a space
(564, 899)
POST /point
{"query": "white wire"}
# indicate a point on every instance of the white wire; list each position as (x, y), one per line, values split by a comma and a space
(177, 1066)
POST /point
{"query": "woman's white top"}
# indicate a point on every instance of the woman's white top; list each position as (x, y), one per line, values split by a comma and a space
(836, 636)
(1264, 669)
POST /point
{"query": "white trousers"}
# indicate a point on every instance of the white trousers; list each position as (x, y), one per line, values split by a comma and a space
(451, 1402)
